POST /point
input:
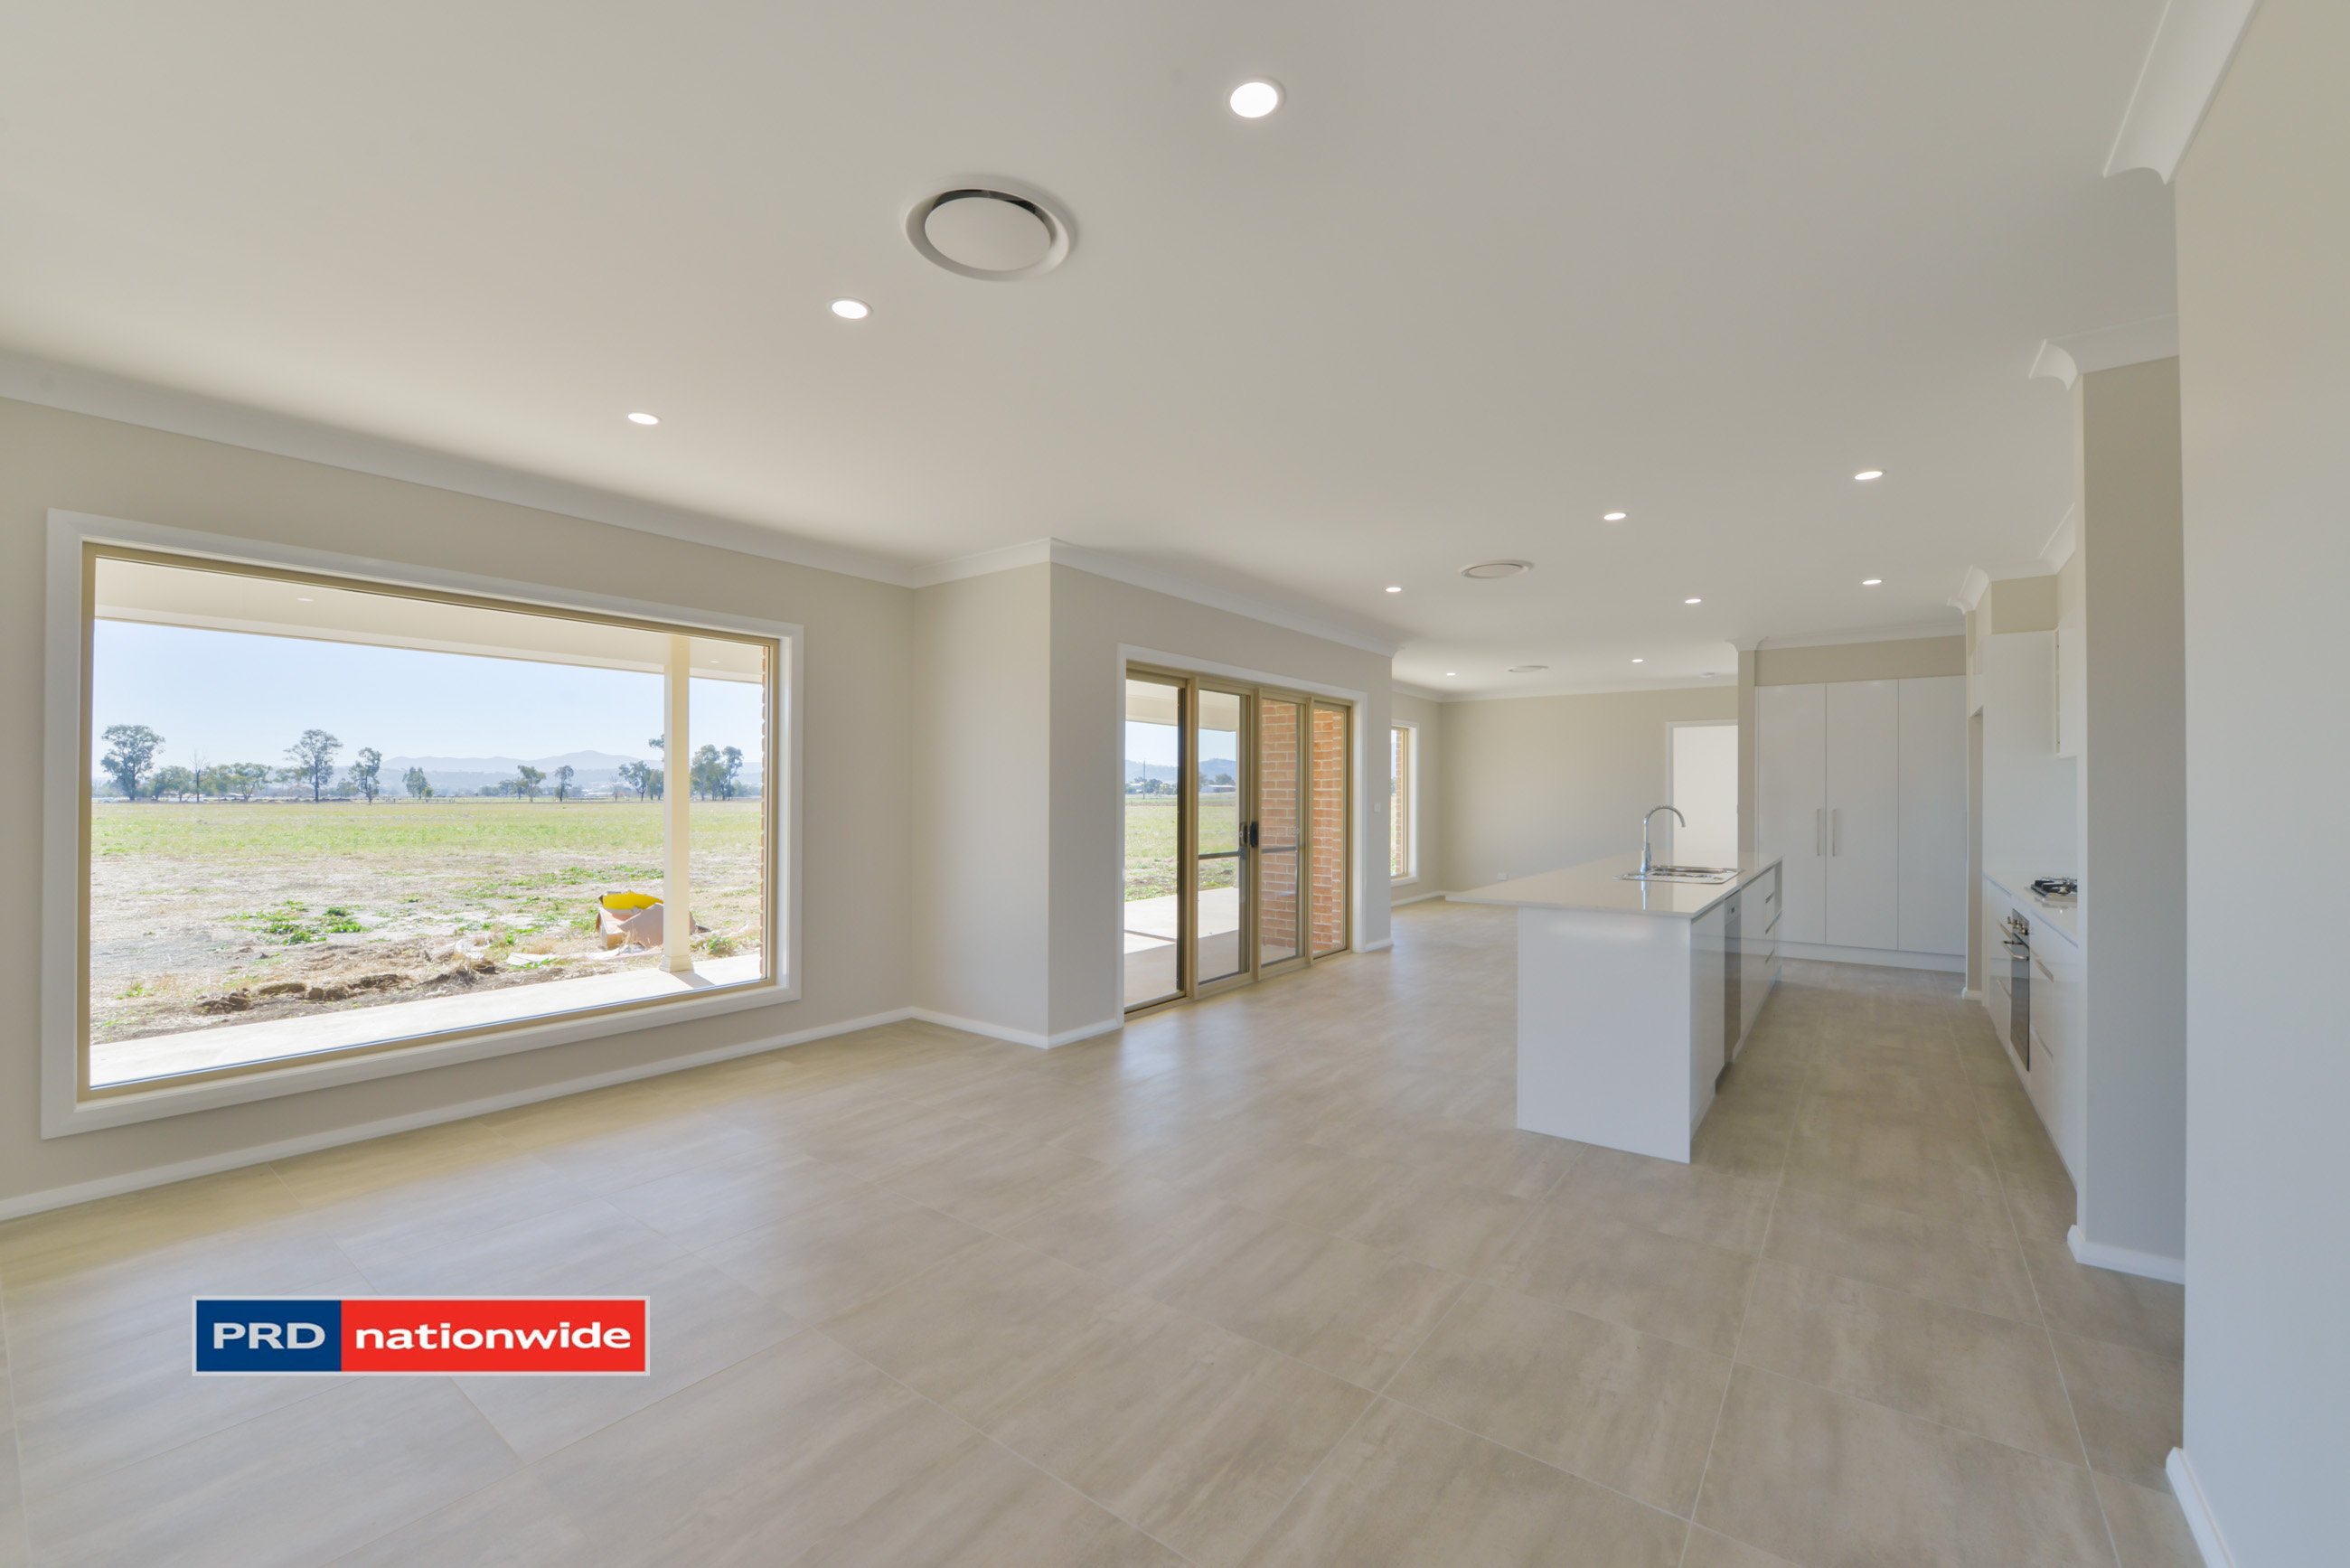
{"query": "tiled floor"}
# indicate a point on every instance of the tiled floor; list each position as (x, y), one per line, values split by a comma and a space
(1272, 1279)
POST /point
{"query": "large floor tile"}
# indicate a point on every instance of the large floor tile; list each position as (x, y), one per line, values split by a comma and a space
(1685, 1201)
(515, 1521)
(2099, 1304)
(1686, 1290)
(1980, 1267)
(1629, 1410)
(1826, 1479)
(1353, 1311)
(2128, 1403)
(755, 1464)
(300, 1484)
(1406, 1490)
(826, 1258)
(1990, 1375)
(2149, 1531)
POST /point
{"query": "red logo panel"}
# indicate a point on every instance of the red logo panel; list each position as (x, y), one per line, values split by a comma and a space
(568, 1335)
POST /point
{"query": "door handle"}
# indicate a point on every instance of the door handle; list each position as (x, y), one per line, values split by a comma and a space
(1818, 843)
(1249, 835)
(1835, 830)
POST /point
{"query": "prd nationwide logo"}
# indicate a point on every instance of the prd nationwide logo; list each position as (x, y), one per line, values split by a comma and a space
(563, 1335)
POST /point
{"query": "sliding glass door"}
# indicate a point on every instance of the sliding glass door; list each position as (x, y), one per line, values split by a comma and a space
(1237, 833)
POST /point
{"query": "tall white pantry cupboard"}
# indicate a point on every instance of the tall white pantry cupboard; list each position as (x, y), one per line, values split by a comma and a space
(1862, 789)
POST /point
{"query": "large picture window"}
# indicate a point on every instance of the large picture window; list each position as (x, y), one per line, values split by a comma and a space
(325, 817)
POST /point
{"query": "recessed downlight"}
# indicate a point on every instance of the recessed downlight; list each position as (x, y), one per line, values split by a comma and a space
(851, 309)
(1639, 661)
(1871, 582)
(1451, 673)
(1528, 668)
(1866, 474)
(1692, 601)
(1611, 517)
(644, 419)
(1397, 589)
(1488, 571)
(1256, 99)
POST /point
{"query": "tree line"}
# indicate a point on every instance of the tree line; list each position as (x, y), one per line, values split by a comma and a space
(132, 750)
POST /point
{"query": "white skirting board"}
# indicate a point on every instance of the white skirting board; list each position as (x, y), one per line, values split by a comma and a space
(1015, 1036)
(2201, 1521)
(1882, 957)
(2124, 1260)
(235, 1159)
(1414, 898)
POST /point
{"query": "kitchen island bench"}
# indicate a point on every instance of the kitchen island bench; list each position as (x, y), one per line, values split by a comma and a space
(1633, 996)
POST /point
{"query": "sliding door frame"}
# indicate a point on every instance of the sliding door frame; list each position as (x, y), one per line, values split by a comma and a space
(1252, 695)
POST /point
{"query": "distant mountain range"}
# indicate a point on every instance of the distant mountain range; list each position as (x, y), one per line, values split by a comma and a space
(590, 770)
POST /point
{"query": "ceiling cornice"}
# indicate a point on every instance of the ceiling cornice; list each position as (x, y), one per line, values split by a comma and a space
(1135, 573)
(2067, 359)
(1665, 683)
(101, 395)
(2192, 46)
(1954, 626)
(108, 397)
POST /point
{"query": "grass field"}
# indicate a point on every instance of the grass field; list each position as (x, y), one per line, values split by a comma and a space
(1150, 843)
(188, 902)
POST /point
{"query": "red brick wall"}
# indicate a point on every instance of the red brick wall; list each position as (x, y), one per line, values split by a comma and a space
(1277, 760)
(1329, 829)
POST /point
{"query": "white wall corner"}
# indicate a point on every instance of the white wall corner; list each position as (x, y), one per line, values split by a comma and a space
(2201, 1521)
(2059, 548)
(2192, 46)
(2125, 1260)
(2070, 358)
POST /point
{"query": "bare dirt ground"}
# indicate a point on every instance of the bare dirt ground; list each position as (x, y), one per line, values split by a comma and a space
(233, 912)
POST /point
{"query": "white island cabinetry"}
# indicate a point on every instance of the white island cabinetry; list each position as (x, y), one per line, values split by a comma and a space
(1633, 996)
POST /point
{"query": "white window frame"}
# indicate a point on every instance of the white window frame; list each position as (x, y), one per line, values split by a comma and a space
(65, 771)
(1410, 804)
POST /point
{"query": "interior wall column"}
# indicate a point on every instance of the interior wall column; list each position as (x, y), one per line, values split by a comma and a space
(2132, 807)
(1748, 757)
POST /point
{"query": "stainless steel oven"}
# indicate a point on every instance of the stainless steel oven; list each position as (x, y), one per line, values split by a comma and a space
(2019, 985)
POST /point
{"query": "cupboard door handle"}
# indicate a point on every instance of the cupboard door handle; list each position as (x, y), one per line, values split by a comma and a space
(1836, 831)
(1818, 843)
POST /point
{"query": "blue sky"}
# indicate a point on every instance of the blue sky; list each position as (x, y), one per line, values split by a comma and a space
(1156, 743)
(237, 697)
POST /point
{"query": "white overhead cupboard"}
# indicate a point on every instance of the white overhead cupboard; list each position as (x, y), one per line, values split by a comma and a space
(1861, 793)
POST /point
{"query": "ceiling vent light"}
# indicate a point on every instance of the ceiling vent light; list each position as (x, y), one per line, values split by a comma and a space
(1256, 99)
(1612, 517)
(1866, 474)
(1528, 668)
(994, 234)
(1487, 571)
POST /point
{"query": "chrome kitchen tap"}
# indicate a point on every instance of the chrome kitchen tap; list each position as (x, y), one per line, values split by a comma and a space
(1647, 861)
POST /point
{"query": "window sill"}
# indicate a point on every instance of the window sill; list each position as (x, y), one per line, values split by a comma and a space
(725, 985)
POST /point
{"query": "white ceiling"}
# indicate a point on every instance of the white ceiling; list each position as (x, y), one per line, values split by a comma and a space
(1491, 271)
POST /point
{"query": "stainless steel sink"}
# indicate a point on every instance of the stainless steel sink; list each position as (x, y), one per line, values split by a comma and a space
(1714, 874)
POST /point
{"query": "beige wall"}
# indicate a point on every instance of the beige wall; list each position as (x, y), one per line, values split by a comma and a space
(982, 797)
(2131, 816)
(2022, 604)
(1899, 659)
(1535, 783)
(1092, 616)
(1427, 809)
(858, 723)
(2265, 336)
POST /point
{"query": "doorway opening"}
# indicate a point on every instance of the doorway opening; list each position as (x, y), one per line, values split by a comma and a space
(1704, 789)
(1237, 829)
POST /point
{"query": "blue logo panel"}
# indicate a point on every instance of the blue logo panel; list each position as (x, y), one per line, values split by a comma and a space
(268, 1335)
